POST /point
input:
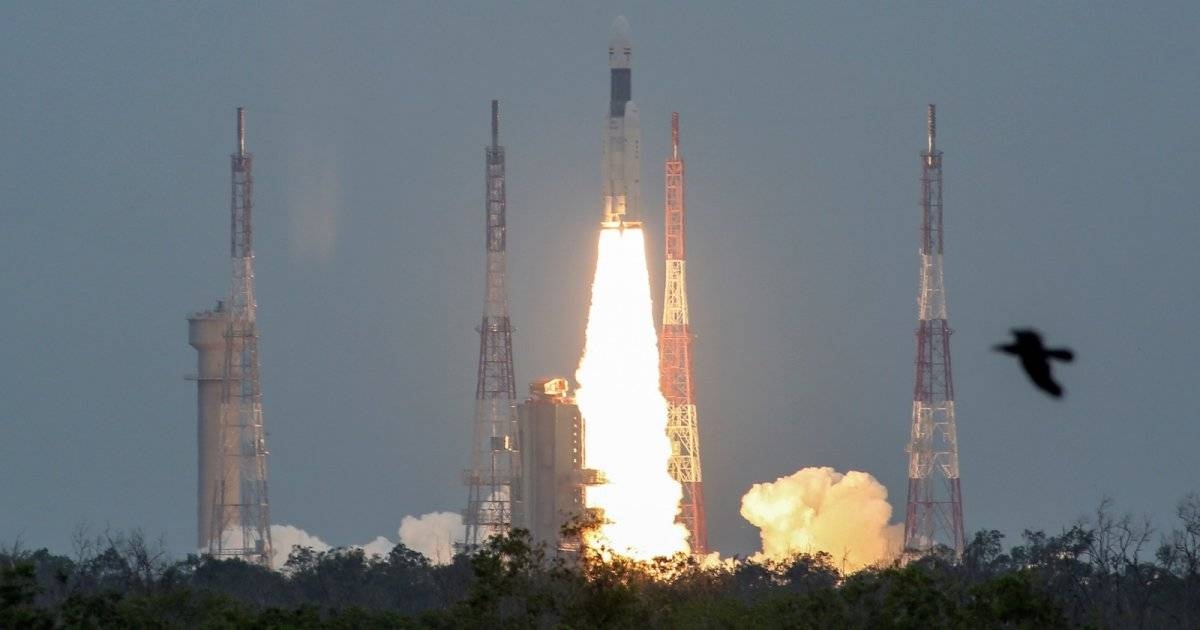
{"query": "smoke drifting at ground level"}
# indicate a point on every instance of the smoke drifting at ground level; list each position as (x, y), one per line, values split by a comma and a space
(285, 538)
(820, 509)
(432, 535)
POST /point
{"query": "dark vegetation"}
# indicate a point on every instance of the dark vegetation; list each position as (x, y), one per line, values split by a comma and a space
(1106, 572)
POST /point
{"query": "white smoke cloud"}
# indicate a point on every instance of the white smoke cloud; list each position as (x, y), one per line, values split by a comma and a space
(432, 535)
(381, 546)
(285, 537)
(820, 509)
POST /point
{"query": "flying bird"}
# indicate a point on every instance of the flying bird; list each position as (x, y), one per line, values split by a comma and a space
(1035, 358)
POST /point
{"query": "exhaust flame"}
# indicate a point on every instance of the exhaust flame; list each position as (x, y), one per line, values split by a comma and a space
(820, 509)
(619, 397)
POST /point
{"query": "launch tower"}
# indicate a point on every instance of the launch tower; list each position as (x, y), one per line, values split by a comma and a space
(934, 513)
(493, 481)
(675, 358)
(239, 521)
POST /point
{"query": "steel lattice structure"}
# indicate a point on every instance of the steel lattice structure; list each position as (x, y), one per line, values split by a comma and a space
(675, 358)
(934, 516)
(493, 481)
(241, 519)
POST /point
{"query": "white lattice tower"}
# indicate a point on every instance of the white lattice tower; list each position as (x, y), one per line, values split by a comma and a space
(933, 518)
(493, 481)
(241, 518)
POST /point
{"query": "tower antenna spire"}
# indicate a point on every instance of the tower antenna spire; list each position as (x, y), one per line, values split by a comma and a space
(233, 467)
(931, 125)
(674, 135)
(494, 479)
(241, 131)
(933, 515)
(495, 123)
(675, 357)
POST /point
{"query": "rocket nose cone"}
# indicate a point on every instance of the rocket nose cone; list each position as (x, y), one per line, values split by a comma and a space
(619, 35)
(620, 50)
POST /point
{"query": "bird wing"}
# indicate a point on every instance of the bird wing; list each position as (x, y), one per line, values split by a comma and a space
(1062, 354)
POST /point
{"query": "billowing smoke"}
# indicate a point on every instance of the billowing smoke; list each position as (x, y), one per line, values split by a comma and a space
(381, 547)
(820, 509)
(284, 538)
(626, 414)
(433, 534)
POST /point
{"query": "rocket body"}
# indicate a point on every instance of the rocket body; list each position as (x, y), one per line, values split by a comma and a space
(622, 136)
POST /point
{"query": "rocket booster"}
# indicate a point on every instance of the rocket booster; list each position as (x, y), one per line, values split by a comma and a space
(622, 136)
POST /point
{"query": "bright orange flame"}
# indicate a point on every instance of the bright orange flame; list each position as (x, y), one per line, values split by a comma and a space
(623, 406)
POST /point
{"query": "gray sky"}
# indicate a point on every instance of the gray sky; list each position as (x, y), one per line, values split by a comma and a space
(1071, 166)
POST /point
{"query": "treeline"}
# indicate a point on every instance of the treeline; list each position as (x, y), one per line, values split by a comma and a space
(1107, 572)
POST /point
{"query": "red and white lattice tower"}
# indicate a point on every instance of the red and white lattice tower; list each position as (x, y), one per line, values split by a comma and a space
(493, 481)
(934, 517)
(675, 358)
(241, 517)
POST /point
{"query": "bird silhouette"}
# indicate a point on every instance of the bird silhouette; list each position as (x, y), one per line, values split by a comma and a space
(1035, 358)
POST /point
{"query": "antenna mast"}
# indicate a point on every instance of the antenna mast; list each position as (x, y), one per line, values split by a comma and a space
(241, 519)
(675, 358)
(493, 481)
(933, 517)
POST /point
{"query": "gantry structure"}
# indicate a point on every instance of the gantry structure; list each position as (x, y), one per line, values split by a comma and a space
(493, 481)
(675, 357)
(933, 517)
(240, 525)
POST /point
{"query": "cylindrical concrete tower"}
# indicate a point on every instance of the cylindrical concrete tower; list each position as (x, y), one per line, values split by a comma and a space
(206, 333)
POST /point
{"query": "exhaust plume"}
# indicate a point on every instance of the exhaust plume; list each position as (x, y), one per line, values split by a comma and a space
(625, 413)
(820, 509)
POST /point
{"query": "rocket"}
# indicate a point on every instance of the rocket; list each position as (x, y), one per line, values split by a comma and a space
(622, 136)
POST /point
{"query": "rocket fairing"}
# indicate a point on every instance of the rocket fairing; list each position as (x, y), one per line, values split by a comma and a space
(622, 136)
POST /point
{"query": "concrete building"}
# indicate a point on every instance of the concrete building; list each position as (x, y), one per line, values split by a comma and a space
(206, 333)
(552, 458)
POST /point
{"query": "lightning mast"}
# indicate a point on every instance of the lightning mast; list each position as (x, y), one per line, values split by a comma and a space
(493, 481)
(934, 513)
(675, 358)
(241, 520)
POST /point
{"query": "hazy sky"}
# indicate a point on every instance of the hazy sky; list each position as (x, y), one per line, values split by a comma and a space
(1072, 155)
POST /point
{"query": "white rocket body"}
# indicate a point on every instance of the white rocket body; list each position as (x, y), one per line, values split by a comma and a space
(622, 136)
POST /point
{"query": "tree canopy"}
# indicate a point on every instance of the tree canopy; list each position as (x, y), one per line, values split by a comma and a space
(1107, 571)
